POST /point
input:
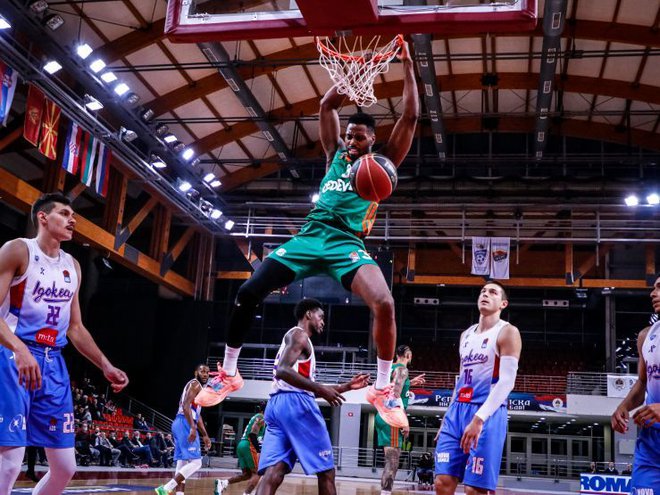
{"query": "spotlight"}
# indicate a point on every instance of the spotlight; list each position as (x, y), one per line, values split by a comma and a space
(215, 214)
(127, 135)
(632, 200)
(108, 77)
(157, 162)
(161, 129)
(170, 138)
(53, 21)
(121, 89)
(229, 224)
(52, 66)
(216, 183)
(4, 23)
(178, 146)
(147, 115)
(193, 195)
(92, 103)
(205, 206)
(84, 50)
(195, 162)
(185, 186)
(315, 197)
(38, 6)
(653, 199)
(97, 66)
(187, 154)
(132, 98)
(209, 177)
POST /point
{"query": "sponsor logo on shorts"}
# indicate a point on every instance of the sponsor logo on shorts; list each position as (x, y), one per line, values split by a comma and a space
(442, 457)
(280, 252)
(17, 423)
(192, 449)
(325, 453)
(52, 424)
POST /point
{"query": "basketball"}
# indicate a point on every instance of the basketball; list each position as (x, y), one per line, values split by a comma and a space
(373, 177)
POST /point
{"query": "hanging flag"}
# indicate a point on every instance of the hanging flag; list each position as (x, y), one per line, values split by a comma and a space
(481, 256)
(71, 158)
(103, 170)
(88, 157)
(9, 79)
(500, 250)
(34, 111)
(49, 125)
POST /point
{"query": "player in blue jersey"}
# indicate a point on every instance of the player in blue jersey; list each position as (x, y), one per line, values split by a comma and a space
(646, 464)
(39, 314)
(187, 451)
(331, 242)
(473, 431)
(295, 428)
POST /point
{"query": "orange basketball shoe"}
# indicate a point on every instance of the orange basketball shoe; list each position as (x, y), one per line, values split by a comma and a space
(389, 407)
(218, 388)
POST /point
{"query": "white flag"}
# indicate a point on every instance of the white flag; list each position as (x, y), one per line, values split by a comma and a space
(481, 256)
(500, 251)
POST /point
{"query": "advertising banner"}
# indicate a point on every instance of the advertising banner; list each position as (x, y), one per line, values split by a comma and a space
(518, 401)
(605, 484)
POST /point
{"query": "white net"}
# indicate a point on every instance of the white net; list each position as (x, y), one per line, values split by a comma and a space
(354, 66)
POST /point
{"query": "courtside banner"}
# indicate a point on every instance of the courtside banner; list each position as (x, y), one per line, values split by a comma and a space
(604, 484)
(518, 401)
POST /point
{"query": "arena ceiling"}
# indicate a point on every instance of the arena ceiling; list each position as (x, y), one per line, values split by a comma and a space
(603, 137)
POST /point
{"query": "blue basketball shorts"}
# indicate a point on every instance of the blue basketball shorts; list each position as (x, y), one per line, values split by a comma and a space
(295, 430)
(646, 466)
(183, 449)
(481, 467)
(41, 418)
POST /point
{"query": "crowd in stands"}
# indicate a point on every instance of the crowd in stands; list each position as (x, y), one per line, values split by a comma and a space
(106, 436)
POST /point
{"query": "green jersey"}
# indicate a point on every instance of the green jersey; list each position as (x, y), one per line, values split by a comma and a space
(248, 428)
(405, 388)
(338, 204)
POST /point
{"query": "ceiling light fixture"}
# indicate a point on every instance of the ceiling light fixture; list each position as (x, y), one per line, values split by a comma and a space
(4, 23)
(632, 200)
(84, 50)
(132, 98)
(157, 162)
(53, 21)
(216, 183)
(127, 135)
(187, 154)
(185, 186)
(215, 214)
(170, 138)
(108, 77)
(52, 66)
(162, 129)
(229, 224)
(38, 6)
(97, 66)
(209, 177)
(121, 89)
(178, 146)
(92, 103)
(653, 199)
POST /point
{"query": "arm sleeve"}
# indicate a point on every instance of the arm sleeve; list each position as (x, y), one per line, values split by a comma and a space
(502, 389)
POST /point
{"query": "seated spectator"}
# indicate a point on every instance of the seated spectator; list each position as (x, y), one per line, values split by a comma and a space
(611, 469)
(125, 454)
(138, 448)
(627, 471)
(592, 468)
(425, 467)
(107, 453)
(158, 449)
(87, 415)
(83, 445)
(139, 423)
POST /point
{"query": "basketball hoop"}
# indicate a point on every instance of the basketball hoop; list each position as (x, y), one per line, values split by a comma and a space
(354, 67)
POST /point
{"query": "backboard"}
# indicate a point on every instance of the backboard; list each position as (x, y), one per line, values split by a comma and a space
(221, 20)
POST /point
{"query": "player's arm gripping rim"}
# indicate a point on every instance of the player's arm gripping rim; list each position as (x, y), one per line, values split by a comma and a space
(635, 397)
(509, 344)
(13, 263)
(296, 346)
(83, 341)
(400, 140)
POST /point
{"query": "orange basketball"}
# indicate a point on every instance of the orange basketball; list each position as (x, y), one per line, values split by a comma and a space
(373, 177)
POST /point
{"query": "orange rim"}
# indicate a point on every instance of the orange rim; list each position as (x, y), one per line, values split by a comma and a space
(355, 58)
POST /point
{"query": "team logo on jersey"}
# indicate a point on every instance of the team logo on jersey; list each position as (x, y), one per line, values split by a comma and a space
(67, 276)
(36, 257)
(280, 252)
(17, 423)
(484, 343)
(354, 256)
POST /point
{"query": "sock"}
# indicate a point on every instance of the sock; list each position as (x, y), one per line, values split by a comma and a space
(179, 493)
(171, 485)
(231, 360)
(385, 492)
(384, 372)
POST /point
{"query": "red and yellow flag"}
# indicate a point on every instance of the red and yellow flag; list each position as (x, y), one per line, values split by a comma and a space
(34, 109)
(51, 121)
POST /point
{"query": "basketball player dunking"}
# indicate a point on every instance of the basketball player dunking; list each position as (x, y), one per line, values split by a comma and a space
(187, 449)
(646, 467)
(295, 428)
(331, 243)
(39, 314)
(473, 431)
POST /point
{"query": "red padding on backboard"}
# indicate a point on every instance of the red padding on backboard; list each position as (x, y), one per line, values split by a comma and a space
(343, 13)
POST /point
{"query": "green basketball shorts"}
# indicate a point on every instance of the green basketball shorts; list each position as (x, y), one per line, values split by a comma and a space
(387, 436)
